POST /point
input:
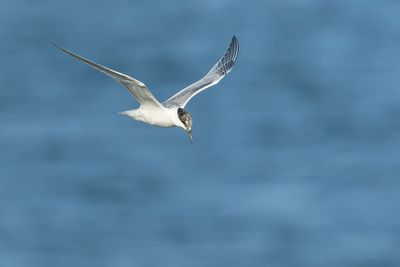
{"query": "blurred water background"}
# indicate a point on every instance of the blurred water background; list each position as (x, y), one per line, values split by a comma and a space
(296, 160)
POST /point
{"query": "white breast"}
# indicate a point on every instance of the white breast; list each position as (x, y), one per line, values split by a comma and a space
(157, 116)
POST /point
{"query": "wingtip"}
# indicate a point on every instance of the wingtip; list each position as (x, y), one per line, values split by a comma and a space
(235, 45)
(60, 47)
(53, 43)
(235, 40)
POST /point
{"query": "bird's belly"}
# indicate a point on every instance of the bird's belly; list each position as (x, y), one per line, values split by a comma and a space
(156, 117)
(158, 121)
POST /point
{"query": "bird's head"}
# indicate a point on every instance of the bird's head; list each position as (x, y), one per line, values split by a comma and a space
(186, 119)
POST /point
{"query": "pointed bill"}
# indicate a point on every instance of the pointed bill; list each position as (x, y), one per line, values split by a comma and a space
(189, 132)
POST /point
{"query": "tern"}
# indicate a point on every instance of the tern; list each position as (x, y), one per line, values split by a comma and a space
(172, 112)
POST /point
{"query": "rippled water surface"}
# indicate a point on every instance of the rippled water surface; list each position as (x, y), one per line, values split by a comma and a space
(296, 160)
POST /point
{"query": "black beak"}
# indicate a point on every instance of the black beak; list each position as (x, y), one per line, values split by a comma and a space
(189, 132)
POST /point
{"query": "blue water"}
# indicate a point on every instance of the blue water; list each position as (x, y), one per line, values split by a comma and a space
(296, 160)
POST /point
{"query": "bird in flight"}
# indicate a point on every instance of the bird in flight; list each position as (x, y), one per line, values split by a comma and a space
(170, 113)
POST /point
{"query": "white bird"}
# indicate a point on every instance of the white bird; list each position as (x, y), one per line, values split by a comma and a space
(170, 113)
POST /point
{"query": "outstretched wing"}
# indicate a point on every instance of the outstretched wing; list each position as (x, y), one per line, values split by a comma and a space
(216, 73)
(135, 87)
